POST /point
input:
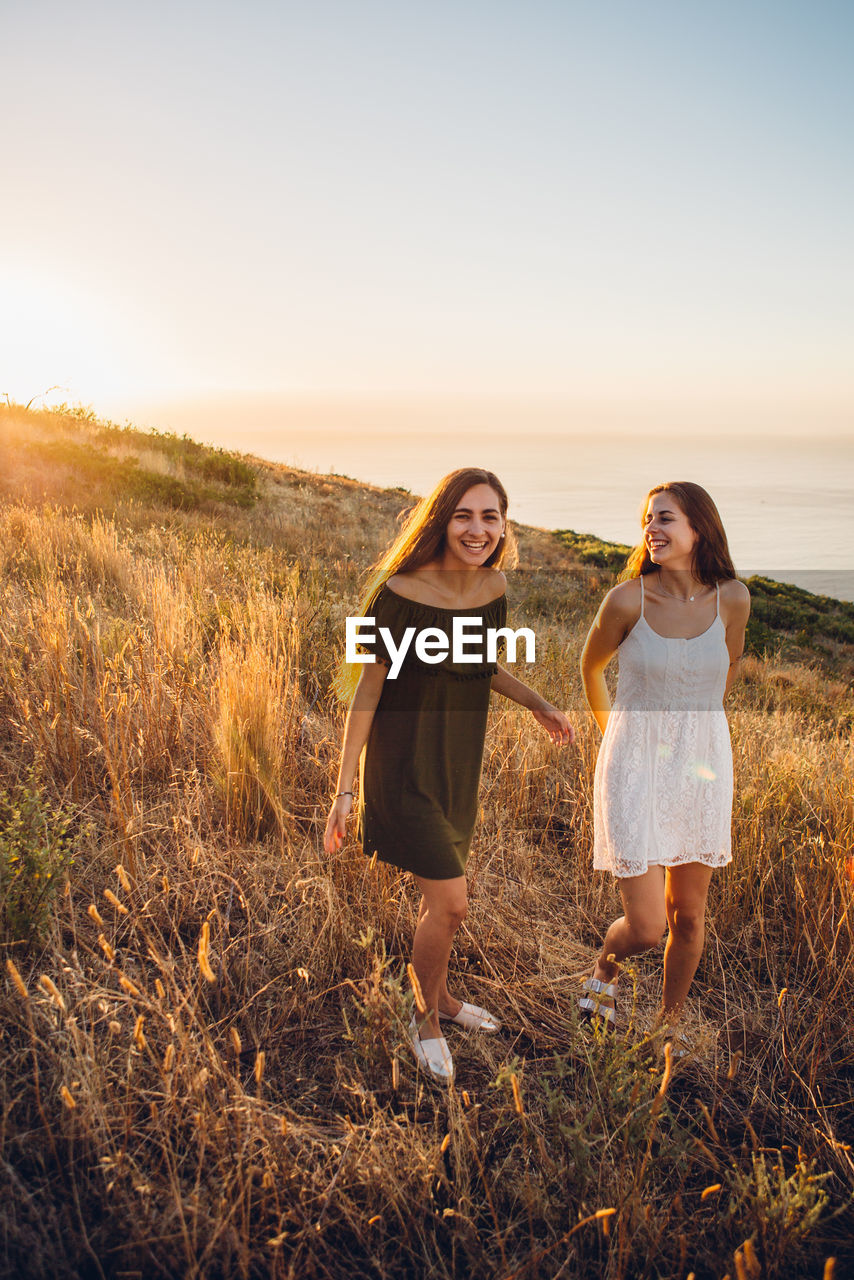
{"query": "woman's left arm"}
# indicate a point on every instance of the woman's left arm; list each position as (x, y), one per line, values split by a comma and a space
(737, 602)
(554, 722)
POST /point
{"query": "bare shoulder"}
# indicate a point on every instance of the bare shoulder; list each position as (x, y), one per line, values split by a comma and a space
(623, 602)
(486, 585)
(411, 587)
(496, 583)
(618, 613)
(735, 599)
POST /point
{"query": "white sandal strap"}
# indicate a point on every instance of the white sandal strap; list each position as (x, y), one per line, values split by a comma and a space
(594, 1006)
(603, 988)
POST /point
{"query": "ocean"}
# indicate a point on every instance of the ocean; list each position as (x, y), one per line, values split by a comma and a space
(787, 505)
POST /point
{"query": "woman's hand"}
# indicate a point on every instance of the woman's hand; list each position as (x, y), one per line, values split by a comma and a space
(336, 823)
(555, 723)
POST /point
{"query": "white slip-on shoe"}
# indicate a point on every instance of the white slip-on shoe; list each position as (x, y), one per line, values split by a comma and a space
(433, 1054)
(473, 1018)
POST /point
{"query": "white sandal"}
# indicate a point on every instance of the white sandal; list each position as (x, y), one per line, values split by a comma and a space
(594, 1008)
(473, 1018)
(433, 1054)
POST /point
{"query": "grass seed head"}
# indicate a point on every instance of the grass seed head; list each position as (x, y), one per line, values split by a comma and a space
(668, 1068)
(204, 945)
(603, 1216)
(416, 989)
(113, 900)
(17, 980)
(48, 985)
(754, 1267)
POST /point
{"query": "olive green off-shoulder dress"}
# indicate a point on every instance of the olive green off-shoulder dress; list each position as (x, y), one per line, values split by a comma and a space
(420, 770)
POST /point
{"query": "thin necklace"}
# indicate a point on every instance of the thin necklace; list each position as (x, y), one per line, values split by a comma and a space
(664, 591)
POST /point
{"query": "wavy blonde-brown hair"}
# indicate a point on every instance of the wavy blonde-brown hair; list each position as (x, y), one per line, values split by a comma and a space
(422, 535)
(712, 561)
(422, 539)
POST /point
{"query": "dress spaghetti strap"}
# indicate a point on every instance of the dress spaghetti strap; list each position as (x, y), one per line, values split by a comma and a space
(641, 582)
(717, 600)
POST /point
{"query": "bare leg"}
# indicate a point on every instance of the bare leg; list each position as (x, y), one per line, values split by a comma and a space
(639, 928)
(686, 890)
(442, 911)
(447, 1003)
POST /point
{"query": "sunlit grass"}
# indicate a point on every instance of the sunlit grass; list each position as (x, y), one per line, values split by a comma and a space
(206, 1067)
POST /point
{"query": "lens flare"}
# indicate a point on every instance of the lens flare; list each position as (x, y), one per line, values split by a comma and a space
(703, 772)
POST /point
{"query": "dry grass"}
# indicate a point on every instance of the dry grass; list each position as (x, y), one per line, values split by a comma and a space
(206, 1070)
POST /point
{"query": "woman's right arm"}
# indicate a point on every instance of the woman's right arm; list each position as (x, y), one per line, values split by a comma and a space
(610, 628)
(360, 717)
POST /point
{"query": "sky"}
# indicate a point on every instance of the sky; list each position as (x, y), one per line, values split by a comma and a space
(618, 214)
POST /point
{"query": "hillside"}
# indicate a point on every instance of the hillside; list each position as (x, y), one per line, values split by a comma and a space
(785, 620)
(204, 1017)
(70, 458)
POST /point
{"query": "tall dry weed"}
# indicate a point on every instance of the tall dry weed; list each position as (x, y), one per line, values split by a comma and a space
(205, 1061)
(257, 719)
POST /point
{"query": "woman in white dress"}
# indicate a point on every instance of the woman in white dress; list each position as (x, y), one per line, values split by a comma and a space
(663, 782)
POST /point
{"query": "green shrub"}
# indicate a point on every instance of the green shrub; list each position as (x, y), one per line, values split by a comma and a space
(594, 551)
(780, 1208)
(118, 478)
(36, 847)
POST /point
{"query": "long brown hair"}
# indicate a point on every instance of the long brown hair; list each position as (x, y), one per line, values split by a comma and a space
(422, 535)
(712, 561)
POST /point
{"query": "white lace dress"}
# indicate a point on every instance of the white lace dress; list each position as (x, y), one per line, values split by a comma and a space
(662, 792)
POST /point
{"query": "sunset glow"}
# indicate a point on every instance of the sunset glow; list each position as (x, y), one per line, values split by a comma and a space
(51, 336)
(612, 215)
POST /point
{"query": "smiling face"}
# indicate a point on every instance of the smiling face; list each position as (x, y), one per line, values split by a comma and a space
(474, 530)
(668, 535)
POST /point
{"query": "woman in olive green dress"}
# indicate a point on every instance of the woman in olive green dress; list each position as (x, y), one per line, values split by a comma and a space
(419, 732)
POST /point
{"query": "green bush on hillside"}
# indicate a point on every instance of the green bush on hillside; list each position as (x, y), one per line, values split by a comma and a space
(36, 847)
(126, 478)
(594, 551)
